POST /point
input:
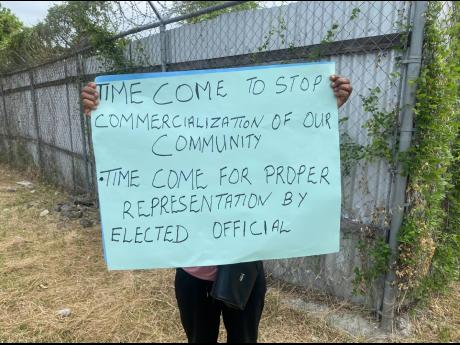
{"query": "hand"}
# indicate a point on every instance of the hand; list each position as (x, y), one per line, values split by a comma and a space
(90, 98)
(342, 89)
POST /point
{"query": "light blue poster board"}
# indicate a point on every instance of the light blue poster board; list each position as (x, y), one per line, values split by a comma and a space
(220, 166)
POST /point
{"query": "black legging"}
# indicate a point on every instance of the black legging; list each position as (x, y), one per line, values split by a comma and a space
(200, 313)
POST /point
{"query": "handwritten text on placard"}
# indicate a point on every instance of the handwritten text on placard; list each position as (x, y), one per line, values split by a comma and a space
(212, 167)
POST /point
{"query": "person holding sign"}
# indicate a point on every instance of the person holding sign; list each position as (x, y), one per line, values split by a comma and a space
(200, 312)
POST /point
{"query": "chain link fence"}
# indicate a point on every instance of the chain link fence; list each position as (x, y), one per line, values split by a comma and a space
(42, 126)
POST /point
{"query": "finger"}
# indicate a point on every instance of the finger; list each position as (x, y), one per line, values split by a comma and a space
(89, 104)
(89, 90)
(340, 81)
(92, 85)
(85, 95)
(333, 77)
(345, 87)
(342, 94)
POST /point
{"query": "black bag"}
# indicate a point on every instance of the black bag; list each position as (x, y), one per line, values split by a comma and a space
(234, 283)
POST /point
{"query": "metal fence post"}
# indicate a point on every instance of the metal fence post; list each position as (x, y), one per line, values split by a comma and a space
(70, 122)
(82, 121)
(7, 125)
(163, 47)
(412, 72)
(162, 37)
(37, 125)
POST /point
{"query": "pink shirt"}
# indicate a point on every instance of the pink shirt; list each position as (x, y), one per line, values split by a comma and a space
(204, 273)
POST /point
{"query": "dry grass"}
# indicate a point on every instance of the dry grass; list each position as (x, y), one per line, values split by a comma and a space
(439, 320)
(47, 265)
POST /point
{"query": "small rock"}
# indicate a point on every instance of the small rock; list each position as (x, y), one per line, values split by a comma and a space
(26, 184)
(404, 326)
(74, 214)
(33, 204)
(44, 213)
(57, 208)
(86, 223)
(8, 189)
(6, 209)
(32, 191)
(65, 208)
(70, 211)
(64, 312)
(85, 201)
(56, 193)
(18, 240)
